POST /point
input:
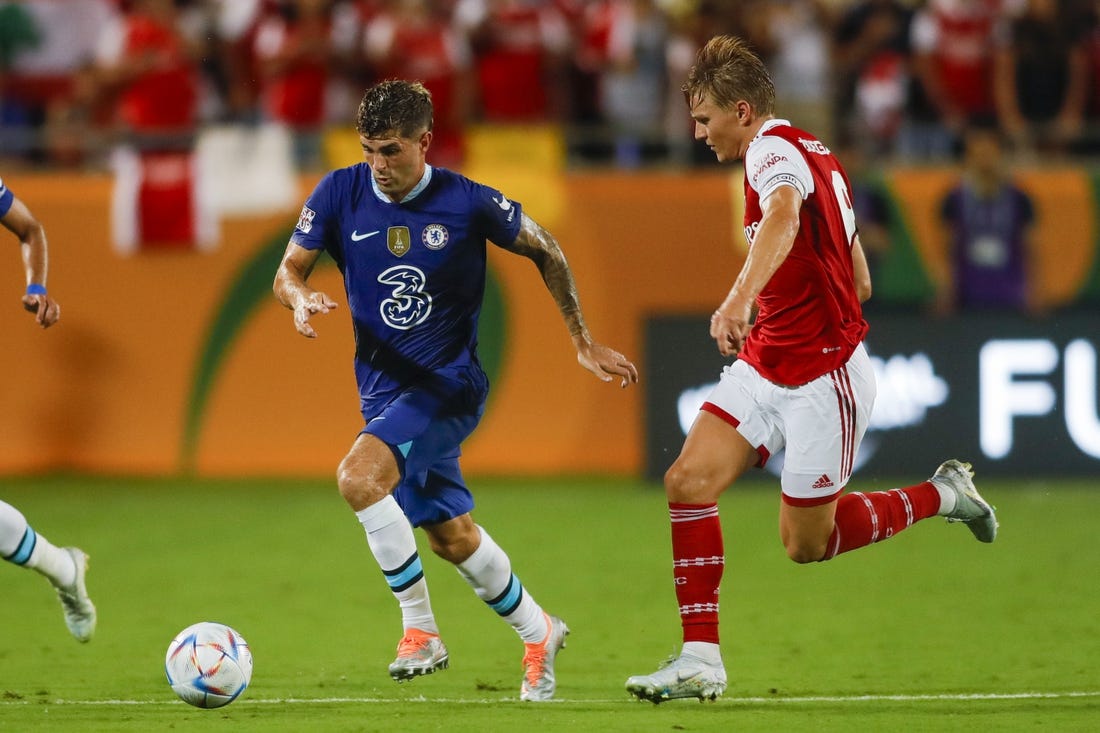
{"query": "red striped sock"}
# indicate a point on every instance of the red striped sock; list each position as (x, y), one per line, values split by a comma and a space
(865, 518)
(698, 560)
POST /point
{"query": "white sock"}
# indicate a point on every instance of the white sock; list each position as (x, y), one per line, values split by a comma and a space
(948, 499)
(489, 573)
(13, 529)
(708, 652)
(391, 540)
(20, 544)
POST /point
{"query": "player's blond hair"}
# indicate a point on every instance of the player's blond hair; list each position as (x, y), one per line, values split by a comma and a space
(728, 71)
(395, 106)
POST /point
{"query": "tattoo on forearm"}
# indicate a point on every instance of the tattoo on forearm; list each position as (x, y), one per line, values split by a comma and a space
(538, 245)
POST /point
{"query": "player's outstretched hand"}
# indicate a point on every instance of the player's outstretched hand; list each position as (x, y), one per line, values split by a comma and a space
(606, 363)
(315, 302)
(46, 310)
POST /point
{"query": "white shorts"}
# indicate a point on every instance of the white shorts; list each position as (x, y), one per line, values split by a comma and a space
(820, 423)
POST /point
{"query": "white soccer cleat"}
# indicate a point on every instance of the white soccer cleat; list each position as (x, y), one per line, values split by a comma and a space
(418, 653)
(970, 508)
(684, 676)
(79, 611)
(538, 662)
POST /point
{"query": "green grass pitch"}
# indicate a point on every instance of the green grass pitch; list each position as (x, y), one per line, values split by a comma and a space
(930, 631)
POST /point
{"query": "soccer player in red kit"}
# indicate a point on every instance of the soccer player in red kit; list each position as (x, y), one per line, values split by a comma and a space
(802, 380)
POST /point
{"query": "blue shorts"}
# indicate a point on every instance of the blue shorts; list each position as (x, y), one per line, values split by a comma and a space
(424, 427)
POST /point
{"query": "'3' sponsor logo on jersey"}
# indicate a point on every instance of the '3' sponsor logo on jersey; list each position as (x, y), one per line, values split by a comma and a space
(357, 237)
(410, 302)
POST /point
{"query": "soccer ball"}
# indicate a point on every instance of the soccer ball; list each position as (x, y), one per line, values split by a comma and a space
(208, 665)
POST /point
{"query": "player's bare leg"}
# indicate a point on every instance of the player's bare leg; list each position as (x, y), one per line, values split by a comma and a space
(366, 477)
(805, 531)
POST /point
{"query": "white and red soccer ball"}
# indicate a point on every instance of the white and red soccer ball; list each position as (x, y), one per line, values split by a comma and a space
(208, 664)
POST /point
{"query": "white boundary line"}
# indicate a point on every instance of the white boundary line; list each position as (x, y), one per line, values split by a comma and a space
(777, 700)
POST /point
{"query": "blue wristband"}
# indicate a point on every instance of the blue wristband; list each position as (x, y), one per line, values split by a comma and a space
(36, 289)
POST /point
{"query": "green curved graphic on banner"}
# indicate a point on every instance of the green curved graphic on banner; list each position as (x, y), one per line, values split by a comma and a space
(904, 278)
(492, 328)
(1090, 289)
(246, 292)
(251, 288)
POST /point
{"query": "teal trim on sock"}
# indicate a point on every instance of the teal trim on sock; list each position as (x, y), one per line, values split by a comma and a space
(403, 577)
(508, 600)
(25, 549)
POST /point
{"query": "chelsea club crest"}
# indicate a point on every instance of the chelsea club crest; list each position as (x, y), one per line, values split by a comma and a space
(435, 236)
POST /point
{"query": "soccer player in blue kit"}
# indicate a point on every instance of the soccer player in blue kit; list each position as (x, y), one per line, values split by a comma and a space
(20, 544)
(410, 242)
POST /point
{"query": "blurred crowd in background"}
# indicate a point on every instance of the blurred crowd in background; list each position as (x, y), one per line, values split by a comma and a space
(893, 79)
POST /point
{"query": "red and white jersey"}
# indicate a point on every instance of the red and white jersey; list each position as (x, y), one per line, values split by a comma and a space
(809, 319)
(958, 36)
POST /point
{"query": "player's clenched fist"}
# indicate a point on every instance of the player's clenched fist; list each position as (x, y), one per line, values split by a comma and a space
(729, 330)
(46, 310)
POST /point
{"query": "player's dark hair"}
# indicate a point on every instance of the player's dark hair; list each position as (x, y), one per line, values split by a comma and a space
(394, 106)
(728, 71)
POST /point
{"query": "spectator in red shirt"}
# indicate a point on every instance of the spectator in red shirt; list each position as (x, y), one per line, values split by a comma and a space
(294, 53)
(145, 62)
(871, 59)
(590, 28)
(517, 46)
(952, 47)
(414, 40)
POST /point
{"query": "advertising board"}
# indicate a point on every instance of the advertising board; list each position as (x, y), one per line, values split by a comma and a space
(1017, 397)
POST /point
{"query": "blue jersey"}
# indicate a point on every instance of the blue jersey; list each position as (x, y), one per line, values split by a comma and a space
(7, 198)
(414, 273)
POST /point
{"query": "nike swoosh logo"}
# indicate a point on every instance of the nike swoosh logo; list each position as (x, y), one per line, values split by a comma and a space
(357, 237)
(504, 203)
